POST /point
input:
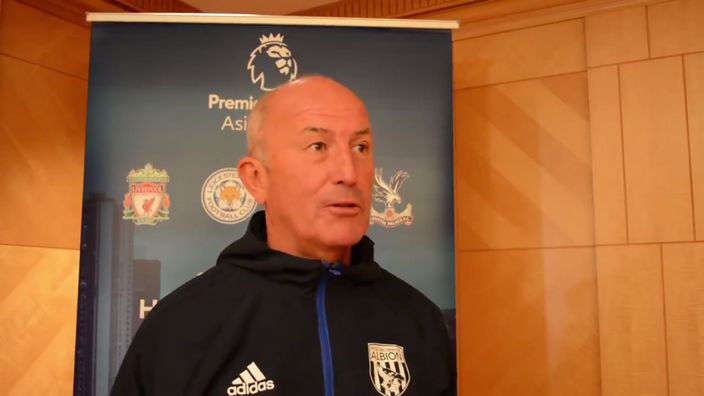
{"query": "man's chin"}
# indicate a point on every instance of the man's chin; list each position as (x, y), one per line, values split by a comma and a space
(342, 235)
(342, 240)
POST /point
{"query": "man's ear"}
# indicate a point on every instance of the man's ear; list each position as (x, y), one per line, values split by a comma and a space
(254, 176)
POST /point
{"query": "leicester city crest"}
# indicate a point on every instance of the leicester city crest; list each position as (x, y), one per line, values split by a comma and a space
(147, 201)
(225, 199)
(388, 369)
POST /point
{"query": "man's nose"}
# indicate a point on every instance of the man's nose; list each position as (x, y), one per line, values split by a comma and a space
(343, 168)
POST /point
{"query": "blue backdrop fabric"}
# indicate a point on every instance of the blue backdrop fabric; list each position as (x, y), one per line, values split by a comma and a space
(167, 114)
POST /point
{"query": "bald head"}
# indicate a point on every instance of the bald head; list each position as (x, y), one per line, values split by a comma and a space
(311, 165)
(288, 99)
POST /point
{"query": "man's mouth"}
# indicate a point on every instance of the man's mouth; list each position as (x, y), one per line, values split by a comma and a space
(345, 205)
(344, 208)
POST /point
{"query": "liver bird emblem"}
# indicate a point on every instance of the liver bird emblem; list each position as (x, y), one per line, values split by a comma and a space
(147, 205)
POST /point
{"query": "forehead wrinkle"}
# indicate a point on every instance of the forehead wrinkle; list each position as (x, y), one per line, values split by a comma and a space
(330, 112)
(325, 131)
(362, 132)
(315, 129)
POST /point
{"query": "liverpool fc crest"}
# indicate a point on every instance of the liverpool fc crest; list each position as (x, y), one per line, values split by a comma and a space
(388, 369)
(147, 201)
(388, 194)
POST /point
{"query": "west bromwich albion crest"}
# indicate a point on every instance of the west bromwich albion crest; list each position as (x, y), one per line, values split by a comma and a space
(388, 369)
(147, 201)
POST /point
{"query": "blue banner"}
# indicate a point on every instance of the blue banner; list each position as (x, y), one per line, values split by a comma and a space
(167, 116)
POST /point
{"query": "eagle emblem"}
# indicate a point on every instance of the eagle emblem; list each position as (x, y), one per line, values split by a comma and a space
(147, 201)
(271, 63)
(388, 369)
(388, 194)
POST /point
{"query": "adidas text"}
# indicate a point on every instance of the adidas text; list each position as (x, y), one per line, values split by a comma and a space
(250, 382)
(250, 389)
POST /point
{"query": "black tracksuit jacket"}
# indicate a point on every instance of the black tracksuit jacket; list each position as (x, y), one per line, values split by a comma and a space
(267, 323)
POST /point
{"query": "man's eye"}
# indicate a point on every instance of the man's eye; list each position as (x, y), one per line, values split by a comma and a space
(361, 147)
(318, 146)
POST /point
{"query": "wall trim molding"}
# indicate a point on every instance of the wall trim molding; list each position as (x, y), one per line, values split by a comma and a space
(383, 8)
(536, 17)
(75, 10)
(476, 17)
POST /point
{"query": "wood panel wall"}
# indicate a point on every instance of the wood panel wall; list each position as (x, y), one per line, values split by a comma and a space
(44, 48)
(579, 171)
(579, 196)
(43, 88)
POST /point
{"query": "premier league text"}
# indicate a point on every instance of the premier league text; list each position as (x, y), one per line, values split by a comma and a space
(236, 122)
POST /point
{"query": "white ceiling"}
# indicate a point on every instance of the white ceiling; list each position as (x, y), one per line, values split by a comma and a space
(270, 7)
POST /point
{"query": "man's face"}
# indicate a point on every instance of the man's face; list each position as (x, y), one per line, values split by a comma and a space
(319, 166)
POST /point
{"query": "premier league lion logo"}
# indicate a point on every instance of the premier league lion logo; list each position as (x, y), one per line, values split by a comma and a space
(272, 63)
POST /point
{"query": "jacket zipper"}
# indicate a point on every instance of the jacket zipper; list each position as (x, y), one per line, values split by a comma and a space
(324, 336)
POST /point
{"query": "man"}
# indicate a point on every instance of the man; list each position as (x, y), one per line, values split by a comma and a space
(297, 306)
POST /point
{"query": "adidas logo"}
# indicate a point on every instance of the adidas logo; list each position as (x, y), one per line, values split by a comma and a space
(250, 382)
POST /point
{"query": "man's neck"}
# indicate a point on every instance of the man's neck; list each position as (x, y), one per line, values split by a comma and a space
(343, 255)
(331, 254)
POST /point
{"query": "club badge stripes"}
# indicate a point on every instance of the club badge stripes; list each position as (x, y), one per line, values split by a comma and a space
(396, 368)
(388, 369)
